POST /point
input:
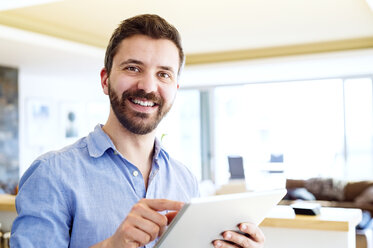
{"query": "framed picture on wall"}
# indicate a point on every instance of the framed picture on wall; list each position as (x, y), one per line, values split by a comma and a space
(39, 122)
(72, 117)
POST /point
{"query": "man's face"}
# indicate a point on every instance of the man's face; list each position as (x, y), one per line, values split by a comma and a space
(143, 82)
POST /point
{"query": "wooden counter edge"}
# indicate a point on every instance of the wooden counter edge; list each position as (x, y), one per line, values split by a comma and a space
(306, 224)
(7, 202)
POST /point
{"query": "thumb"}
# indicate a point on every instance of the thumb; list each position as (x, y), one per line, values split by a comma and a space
(170, 216)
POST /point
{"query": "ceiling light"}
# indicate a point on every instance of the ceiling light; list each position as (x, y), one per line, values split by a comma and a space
(370, 3)
(14, 4)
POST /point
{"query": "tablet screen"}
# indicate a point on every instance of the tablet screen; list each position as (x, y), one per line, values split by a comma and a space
(202, 220)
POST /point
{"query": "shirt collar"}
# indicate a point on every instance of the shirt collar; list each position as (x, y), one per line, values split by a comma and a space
(98, 142)
(158, 149)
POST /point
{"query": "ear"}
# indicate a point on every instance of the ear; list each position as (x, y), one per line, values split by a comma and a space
(104, 81)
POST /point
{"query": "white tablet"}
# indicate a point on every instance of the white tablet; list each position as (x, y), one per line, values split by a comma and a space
(202, 220)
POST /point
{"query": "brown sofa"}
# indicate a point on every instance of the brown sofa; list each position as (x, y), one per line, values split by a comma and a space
(352, 194)
(331, 193)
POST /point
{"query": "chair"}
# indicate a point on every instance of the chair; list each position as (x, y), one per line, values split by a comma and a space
(236, 168)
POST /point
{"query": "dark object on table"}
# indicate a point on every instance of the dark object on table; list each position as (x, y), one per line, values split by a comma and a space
(303, 208)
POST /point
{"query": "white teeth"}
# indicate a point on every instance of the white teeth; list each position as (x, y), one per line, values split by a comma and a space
(143, 103)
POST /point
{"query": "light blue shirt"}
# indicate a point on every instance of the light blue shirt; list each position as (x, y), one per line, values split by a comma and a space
(78, 196)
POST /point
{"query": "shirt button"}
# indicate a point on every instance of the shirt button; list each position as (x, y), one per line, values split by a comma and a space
(135, 173)
(115, 153)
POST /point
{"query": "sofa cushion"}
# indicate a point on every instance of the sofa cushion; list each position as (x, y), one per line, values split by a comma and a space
(328, 189)
(299, 194)
(354, 189)
(366, 197)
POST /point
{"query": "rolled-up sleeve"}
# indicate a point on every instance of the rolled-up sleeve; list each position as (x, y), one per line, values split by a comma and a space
(44, 218)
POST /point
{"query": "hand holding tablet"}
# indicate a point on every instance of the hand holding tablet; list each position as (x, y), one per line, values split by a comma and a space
(202, 220)
(249, 236)
(143, 223)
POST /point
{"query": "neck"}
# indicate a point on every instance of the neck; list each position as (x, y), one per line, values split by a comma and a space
(137, 149)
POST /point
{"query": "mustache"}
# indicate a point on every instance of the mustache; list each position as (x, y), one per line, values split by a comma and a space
(142, 94)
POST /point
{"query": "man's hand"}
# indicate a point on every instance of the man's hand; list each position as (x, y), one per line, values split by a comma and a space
(143, 224)
(253, 237)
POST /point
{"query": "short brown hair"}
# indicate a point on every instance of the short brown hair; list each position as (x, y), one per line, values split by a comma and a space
(153, 26)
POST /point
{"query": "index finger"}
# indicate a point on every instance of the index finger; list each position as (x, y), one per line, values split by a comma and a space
(163, 204)
(253, 231)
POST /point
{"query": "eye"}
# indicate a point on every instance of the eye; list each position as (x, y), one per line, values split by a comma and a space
(164, 75)
(132, 68)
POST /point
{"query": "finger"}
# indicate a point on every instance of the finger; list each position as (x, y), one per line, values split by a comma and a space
(253, 231)
(147, 209)
(133, 244)
(223, 244)
(239, 239)
(163, 204)
(162, 231)
(136, 237)
(147, 226)
(142, 209)
(170, 216)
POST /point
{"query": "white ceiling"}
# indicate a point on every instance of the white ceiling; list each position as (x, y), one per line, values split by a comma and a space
(45, 55)
(14, 4)
(205, 25)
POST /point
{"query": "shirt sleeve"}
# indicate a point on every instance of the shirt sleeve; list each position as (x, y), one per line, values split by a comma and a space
(44, 219)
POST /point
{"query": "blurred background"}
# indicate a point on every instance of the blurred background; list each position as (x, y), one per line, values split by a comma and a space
(284, 85)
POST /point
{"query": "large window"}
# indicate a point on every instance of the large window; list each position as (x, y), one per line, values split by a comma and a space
(358, 128)
(313, 128)
(317, 128)
(180, 131)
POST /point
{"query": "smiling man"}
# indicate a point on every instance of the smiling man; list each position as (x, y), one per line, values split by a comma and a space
(118, 187)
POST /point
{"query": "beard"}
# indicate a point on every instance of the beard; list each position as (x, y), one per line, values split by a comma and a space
(137, 122)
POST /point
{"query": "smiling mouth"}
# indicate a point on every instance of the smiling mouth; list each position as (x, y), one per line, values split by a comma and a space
(143, 103)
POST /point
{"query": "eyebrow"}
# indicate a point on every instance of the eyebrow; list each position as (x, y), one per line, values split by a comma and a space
(167, 68)
(138, 62)
(131, 61)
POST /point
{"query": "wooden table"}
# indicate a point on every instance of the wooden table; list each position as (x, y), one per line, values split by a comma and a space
(333, 228)
(7, 211)
(7, 202)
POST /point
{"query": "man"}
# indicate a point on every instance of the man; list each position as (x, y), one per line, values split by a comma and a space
(117, 187)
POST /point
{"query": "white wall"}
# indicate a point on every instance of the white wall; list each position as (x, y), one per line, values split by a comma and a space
(56, 73)
(57, 91)
(315, 66)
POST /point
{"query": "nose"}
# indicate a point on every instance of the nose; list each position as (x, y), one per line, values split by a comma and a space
(148, 83)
